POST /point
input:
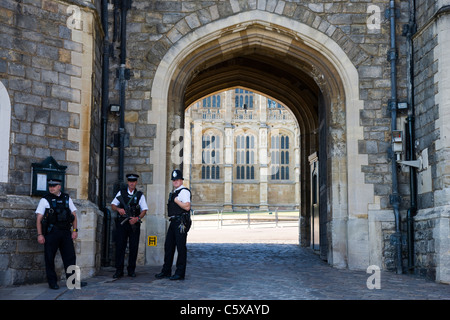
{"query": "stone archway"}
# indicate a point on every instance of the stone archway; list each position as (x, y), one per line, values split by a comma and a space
(294, 63)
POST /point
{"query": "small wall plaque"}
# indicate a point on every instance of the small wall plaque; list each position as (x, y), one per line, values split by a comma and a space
(44, 171)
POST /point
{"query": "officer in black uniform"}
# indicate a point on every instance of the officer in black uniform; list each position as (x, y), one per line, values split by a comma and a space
(132, 207)
(179, 206)
(56, 223)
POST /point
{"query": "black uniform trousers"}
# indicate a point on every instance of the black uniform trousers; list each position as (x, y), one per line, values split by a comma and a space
(127, 233)
(54, 240)
(175, 239)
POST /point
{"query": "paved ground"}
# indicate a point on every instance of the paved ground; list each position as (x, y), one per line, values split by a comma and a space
(274, 268)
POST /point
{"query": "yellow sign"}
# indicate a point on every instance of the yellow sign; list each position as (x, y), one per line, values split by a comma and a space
(152, 240)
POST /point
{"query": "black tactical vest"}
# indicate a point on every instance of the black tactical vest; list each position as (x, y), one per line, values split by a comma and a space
(172, 208)
(130, 202)
(59, 215)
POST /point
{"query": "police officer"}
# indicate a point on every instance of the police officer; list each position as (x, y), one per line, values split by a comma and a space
(131, 206)
(179, 206)
(56, 223)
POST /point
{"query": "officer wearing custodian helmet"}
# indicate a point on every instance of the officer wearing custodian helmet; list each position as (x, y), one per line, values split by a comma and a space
(179, 206)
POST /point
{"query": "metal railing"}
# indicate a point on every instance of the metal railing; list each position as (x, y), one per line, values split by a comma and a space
(215, 218)
(243, 115)
(207, 114)
(279, 114)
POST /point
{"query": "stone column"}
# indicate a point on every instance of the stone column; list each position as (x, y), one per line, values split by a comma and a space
(155, 221)
(187, 149)
(263, 169)
(442, 193)
(228, 153)
(261, 103)
(196, 139)
(87, 247)
(297, 166)
(81, 94)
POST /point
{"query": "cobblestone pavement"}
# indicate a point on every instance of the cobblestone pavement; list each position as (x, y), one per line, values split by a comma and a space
(243, 271)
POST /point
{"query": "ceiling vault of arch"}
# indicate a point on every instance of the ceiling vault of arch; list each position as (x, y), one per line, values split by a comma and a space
(268, 62)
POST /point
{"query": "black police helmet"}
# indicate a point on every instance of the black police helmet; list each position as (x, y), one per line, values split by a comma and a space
(176, 174)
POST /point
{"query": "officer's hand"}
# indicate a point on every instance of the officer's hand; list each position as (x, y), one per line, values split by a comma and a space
(133, 220)
(74, 235)
(121, 211)
(41, 239)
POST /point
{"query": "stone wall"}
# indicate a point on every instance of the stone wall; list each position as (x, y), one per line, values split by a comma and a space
(426, 109)
(50, 67)
(47, 71)
(281, 195)
(208, 195)
(22, 257)
(432, 245)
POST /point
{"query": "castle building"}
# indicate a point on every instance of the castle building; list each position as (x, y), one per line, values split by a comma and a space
(244, 152)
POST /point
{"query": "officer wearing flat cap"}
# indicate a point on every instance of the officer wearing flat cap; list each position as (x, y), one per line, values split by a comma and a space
(56, 223)
(131, 207)
(179, 206)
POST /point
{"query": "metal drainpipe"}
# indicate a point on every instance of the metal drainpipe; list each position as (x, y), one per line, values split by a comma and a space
(104, 123)
(412, 211)
(125, 5)
(395, 197)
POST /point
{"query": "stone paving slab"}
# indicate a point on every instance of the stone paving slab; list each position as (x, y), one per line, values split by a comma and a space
(243, 272)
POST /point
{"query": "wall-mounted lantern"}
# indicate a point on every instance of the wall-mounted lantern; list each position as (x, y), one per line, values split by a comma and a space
(43, 172)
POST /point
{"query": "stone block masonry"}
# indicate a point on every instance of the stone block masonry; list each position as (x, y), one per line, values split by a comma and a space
(22, 257)
(49, 67)
(41, 58)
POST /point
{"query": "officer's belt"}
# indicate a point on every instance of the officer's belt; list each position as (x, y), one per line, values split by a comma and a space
(67, 228)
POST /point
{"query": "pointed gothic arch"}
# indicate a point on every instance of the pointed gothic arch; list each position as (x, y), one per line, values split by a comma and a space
(238, 48)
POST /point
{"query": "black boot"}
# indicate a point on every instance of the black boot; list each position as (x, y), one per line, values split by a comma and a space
(118, 274)
(162, 275)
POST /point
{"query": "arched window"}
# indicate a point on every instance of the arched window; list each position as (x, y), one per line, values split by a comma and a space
(243, 98)
(210, 156)
(272, 104)
(5, 127)
(211, 101)
(279, 152)
(245, 157)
